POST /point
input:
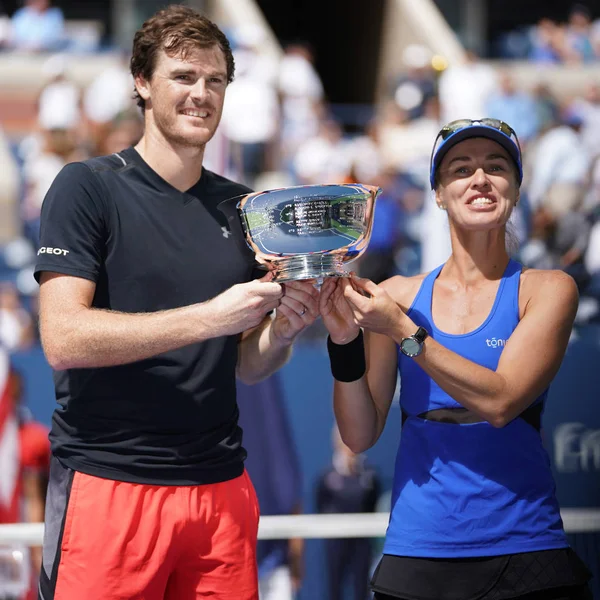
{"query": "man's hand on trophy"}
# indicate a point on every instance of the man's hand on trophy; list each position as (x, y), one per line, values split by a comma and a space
(336, 311)
(299, 307)
(244, 305)
(371, 306)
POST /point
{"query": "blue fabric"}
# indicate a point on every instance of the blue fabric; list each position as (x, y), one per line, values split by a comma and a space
(272, 463)
(519, 110)
(469, 490)
(38, 30)
(386, 223)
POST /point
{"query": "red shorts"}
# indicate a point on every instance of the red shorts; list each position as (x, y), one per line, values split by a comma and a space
(112, 540)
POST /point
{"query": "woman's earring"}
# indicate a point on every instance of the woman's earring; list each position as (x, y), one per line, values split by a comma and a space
(442, 206)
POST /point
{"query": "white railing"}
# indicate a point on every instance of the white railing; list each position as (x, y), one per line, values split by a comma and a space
(576, 520)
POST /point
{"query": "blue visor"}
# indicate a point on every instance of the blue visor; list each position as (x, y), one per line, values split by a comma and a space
(463, 129)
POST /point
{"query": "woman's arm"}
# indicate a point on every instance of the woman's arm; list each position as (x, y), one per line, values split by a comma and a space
(529, 361)
(361, 406)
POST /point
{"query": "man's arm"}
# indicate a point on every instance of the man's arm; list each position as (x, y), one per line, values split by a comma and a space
(75, 335)
(266, 348)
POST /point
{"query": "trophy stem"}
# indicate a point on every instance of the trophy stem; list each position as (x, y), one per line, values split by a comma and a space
(314, 266)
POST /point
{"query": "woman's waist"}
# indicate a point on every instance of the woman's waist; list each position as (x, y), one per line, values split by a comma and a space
(473, 457)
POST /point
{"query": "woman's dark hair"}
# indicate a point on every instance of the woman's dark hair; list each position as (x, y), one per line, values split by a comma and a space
(178, 30)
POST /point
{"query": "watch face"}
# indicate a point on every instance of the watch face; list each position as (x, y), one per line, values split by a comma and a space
(410, 347)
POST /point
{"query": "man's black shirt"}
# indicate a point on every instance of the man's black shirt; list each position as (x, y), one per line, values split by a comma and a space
(170, 419)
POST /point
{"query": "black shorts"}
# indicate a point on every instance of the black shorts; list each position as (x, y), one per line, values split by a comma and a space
(544, 575)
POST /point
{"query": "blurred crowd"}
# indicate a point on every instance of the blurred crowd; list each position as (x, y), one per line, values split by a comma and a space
(278, 130)
(575, 41)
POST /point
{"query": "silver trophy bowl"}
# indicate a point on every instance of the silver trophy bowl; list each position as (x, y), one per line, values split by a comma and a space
(305, 232)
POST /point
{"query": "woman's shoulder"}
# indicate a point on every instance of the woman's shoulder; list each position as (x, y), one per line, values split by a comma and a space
(534, 279)
(546, 285)
(403, 289)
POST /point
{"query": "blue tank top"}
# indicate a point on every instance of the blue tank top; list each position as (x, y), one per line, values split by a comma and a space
(467, 490)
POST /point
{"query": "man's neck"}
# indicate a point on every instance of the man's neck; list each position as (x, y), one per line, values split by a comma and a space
(179, 166)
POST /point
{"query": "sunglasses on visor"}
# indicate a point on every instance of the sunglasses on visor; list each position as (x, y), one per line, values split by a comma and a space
(459, 124)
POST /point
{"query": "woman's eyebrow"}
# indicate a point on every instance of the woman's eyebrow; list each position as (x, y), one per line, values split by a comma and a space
(493, 156)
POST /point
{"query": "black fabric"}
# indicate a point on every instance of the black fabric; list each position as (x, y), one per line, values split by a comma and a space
(171, 419)
(484, 578)
(347, 361)
(57, 500)
(578, 592)
(457, 416)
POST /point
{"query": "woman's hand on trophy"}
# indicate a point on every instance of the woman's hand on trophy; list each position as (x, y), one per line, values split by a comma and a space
(336, 312)
(298, 308)
(371, 306)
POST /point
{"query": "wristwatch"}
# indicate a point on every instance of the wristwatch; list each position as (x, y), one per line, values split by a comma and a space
(413, 345)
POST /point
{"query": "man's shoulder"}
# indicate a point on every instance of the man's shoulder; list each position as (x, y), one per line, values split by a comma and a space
(110, 162)
(222, 185)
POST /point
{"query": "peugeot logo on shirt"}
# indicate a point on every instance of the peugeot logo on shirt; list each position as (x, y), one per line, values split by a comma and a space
(48, 250)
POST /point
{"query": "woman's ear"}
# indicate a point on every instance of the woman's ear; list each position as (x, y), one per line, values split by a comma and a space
(438, 200)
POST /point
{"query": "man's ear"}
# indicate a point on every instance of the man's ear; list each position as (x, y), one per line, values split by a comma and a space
(142, 87)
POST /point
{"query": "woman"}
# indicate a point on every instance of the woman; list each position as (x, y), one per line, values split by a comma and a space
(476, 343)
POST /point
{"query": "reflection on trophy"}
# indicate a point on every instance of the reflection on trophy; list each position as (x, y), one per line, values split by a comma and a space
(305, 232)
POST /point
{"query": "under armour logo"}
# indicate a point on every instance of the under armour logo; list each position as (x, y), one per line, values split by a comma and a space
(226, 232)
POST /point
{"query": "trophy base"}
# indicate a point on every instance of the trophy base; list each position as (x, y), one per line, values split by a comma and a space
(316, 266)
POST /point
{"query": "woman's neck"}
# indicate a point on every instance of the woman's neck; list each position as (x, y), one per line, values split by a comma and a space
(477, 256)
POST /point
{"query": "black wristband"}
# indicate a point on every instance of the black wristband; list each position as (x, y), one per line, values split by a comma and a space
(347, 360)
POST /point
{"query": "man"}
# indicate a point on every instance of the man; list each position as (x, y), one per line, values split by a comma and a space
(148, 310)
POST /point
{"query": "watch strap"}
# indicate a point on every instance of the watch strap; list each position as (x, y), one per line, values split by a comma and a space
(421, 335)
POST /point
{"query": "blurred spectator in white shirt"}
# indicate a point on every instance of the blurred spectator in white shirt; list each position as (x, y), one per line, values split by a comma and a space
(302, 95)
(323, 158)
(464, 89)
(42, 164)
(37, 27)
(16, 325)
(416, 85)
(365, 154)
(9, 193)
(405, 144)
(250, 58)
(106, 98)
(250, 120)
(588, 106)
(60, 99)
(559, 164)
(110, 93)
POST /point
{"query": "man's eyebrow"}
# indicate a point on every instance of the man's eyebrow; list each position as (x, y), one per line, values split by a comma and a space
(189, 71)
(182, 71)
